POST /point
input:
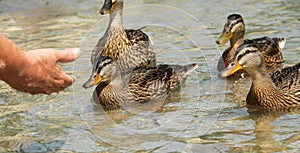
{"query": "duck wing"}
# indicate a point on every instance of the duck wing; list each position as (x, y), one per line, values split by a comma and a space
(156, 82)
(270, 48)
(142, 51)
(288, 79)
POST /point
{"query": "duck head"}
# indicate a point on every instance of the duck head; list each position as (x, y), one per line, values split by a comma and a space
(110, 5)
(234, 28)
(247, 57)
(102, 70)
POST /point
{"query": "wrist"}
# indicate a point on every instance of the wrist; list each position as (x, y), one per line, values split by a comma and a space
(12, 60)
(12, 73)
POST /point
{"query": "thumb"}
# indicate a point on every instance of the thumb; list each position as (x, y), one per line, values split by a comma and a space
(67, 55)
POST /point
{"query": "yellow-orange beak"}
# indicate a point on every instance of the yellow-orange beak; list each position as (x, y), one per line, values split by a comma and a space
(224, 37)
(92, 81)
(231, 69)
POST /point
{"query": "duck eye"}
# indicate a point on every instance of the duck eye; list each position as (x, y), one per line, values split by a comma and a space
(239, 57)
(232, 64)
(98, 71)
(247, 51)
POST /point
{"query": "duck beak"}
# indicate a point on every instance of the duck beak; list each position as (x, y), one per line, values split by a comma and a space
(92, 81)
(106, 7)
(225, 36)
(231, 69)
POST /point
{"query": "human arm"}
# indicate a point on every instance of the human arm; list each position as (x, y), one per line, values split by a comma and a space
(35, 71)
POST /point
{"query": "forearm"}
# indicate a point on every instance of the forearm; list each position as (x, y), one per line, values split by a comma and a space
(12, 60)
(34, 71)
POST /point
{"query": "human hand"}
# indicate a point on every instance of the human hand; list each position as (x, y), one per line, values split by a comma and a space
(41, 74)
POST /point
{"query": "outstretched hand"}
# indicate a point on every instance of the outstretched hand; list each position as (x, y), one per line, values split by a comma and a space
(35, 71)
(41, 74)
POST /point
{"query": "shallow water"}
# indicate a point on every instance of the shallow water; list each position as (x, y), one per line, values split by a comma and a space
(208, 114)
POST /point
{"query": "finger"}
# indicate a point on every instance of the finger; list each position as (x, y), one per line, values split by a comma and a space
(66, 83)
(67, 55)
(73, 77)
(64, 77)
(61, 84)
(68, 80)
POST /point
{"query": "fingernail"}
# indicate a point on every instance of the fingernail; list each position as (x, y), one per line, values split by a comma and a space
(74, 78)
(76, 52)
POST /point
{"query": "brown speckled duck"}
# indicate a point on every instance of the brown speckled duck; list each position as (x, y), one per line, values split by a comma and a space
(136, 85)
(234, 30)
(278, 90)
(129, 47)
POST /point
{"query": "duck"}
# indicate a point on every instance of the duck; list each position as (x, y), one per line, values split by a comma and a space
(234, 30)
(141, 84)
(280, 89)
(130, 47)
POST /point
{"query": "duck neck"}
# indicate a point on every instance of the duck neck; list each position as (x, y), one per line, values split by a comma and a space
(260, 76)
(118, 83)
(237, 39)
(116, 19)
(234, 44)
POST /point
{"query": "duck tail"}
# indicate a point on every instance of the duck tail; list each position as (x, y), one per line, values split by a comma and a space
(141, 28)
(177, 74)
(280, 41)
(190, 68)
(183, 71)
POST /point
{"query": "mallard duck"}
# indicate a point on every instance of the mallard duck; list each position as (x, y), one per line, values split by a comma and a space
(132, 48)
(234, 30)
(280, 89)
(138, 84)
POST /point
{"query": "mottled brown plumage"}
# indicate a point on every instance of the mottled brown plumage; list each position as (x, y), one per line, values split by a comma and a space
(278, 90)
(135, 85)
(234, 30)
(129, 47)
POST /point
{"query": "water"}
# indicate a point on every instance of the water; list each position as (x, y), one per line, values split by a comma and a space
(207, 114)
